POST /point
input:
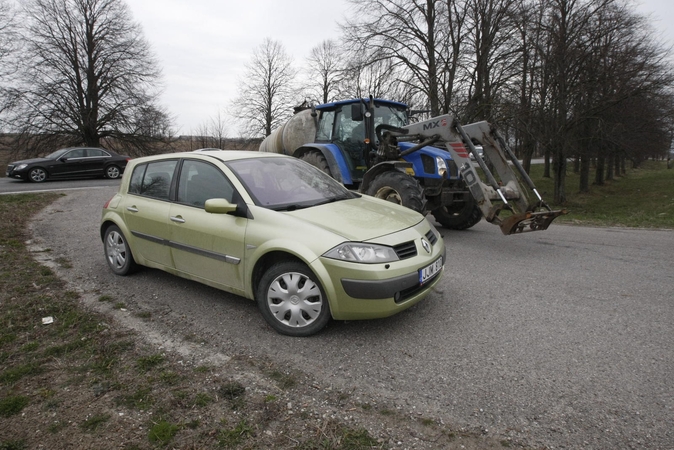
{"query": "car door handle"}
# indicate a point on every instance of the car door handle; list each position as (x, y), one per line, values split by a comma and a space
(178, 219)
(132, 208)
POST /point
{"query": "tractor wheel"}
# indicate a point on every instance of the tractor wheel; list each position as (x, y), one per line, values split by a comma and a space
(317, 160)
(400, 188)
(459, 215)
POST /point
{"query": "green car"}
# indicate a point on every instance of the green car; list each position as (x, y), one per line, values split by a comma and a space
(274, 229)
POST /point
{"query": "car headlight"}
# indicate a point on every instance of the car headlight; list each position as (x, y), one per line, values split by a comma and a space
(442, 166)
(362, 253)
(21, 167)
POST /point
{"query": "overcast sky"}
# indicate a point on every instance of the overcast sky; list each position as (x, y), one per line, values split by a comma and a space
(203, 45)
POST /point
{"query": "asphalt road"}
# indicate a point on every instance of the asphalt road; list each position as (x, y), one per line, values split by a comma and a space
(14, 186)
(562, 338)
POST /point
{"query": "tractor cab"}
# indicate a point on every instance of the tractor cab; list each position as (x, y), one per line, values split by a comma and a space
(351, 126)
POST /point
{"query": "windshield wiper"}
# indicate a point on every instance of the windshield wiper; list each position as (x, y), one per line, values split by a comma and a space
(336, 199)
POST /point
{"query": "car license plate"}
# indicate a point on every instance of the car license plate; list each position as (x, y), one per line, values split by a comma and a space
(429, 271)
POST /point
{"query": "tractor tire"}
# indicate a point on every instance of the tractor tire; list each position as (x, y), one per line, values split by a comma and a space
(317, 160)
(400, 188)
(459, 216)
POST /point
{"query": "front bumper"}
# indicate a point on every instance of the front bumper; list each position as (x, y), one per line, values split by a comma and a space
(11, 172)
(361, 291)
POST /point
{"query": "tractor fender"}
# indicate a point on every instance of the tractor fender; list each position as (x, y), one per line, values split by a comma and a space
(339, 169)
(386, 166)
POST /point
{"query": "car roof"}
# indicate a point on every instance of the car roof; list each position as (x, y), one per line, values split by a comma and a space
(222, 155)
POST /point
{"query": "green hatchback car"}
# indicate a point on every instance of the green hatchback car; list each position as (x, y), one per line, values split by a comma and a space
(274, 229)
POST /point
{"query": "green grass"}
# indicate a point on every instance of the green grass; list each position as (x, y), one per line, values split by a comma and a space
(92, 423)
(643, 198)
(12, 405)
(162, 432)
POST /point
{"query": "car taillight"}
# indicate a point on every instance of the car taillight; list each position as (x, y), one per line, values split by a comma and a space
(108, 203)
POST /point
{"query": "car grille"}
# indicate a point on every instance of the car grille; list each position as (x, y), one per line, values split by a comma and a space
(432, 238)
(409, 249)
(406, 250)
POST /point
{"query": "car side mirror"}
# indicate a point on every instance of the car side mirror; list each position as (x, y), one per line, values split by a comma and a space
(219, 206)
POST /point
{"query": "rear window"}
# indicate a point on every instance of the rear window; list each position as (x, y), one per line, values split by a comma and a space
(153, 179)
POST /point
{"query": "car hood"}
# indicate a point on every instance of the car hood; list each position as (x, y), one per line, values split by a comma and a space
(31, 161)
(360, 219)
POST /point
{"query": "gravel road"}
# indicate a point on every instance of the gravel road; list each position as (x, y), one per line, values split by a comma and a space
(557, 339)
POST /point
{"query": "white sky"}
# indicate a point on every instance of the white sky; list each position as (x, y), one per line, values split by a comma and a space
(203, 45)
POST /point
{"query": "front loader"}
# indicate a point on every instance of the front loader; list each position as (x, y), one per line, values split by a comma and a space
(504, 197)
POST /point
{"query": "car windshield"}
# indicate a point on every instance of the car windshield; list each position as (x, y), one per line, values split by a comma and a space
(57, 153)
(287, 183)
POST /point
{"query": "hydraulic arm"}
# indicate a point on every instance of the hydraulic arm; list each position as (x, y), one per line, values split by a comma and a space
(506, 196)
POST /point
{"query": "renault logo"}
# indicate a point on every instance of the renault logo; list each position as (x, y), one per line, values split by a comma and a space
(426, 245)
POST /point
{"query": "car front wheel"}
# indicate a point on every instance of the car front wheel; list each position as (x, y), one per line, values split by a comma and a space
(112, 172)
(292, 300)
(117, 251)
(37, 175)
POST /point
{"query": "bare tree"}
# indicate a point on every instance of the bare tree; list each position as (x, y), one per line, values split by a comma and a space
(405, 32)
(267, 92)
(325, 71)
(9, 43)
(89, 76)
(491, 34)
(212, 134)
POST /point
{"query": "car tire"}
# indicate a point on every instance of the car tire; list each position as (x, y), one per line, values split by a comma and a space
(117, 251)
(460, 215)
(292, 300)
(399, 188)
(113, 172)
(37, 175)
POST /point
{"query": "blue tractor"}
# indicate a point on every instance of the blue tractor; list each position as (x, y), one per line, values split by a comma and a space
(369, 145)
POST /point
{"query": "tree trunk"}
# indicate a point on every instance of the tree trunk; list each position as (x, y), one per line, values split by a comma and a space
(584, 173)
(599, 171)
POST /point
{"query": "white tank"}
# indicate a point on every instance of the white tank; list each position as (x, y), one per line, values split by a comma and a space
(299, 130)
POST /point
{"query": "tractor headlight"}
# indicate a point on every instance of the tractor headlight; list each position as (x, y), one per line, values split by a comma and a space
(362, 253)
(442, 166)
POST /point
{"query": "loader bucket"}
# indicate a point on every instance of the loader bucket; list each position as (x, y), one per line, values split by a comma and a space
(529, 221)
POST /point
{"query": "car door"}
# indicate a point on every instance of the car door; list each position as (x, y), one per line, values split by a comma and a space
(70, 164)
(209, 247)
(95, 161)
(146, 210)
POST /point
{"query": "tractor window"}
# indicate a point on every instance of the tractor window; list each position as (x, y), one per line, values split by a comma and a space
(390, 116)
(325, 126)
(347, 129)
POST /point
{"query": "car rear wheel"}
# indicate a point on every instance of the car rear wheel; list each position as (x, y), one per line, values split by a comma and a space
(37, 175)
(112, 172)
(117, 251)
(292, 300)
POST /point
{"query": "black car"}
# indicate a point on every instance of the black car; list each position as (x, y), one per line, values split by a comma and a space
(75, 162)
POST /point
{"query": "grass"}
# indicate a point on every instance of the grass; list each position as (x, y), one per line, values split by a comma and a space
(643, 198)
